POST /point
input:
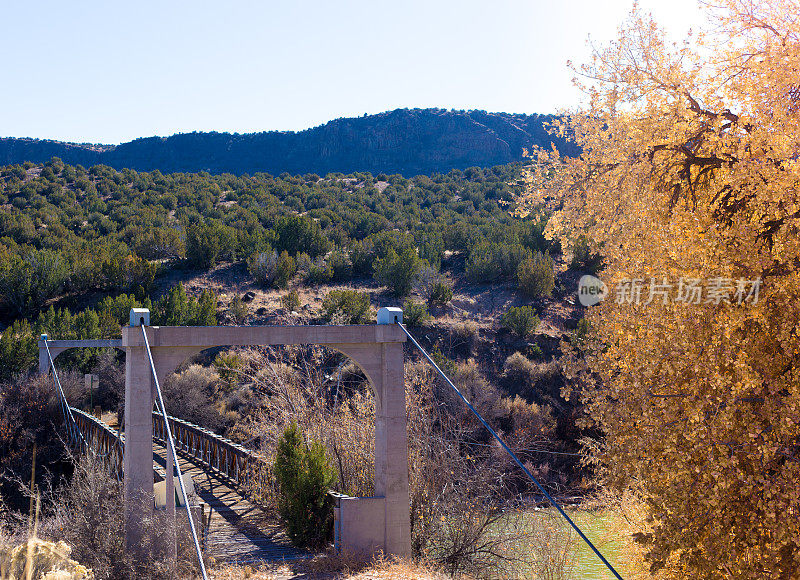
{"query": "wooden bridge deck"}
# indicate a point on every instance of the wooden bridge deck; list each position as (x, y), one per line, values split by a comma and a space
(239, 531)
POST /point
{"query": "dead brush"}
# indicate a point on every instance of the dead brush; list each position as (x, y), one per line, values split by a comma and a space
(295, 387)
(401, 570)
(465, 518)
(461, 339)
(87, 514)
(341, 565)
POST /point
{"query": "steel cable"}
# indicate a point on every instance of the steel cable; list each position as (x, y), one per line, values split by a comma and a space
(163, 411)
(69, 418)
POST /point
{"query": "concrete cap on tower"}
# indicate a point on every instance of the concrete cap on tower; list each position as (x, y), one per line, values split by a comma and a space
(390, 315)
(140, 317)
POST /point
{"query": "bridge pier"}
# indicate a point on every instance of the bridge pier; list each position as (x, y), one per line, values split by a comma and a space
(138, 462)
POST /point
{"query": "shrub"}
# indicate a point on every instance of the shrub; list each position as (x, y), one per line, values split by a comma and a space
(238, 309)
(584, 255)
(522, 320)
(534, 351)
(351, 304)
(304, 477)
(362, 256)
(128, 273)
(286, 269)
(319, 272)
(271, 269)
(341, 266)
(462, 337)
(519, 368)
(482, 265)
(398, 271)
(17, 350)
(303, 262)
(431, 249)
(447, 365)
(205, 244)
(434, 286)
(263, 267)
(441, 293)
(189, 395)
(176, 308)
(510, 256)
(291, 301)
(415, 313)
(469, 379)
(155, 244)
(300, 234)
(536, 277)
(27, 281)
(228, 365)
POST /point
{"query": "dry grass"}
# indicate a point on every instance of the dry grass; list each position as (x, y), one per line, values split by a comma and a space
(400, 570)
(331, 568)
(251, 572)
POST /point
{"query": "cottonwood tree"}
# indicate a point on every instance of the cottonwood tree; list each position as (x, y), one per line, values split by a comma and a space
(690, 169)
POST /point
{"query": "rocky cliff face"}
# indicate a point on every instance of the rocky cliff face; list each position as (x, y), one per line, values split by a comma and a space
(407, 141)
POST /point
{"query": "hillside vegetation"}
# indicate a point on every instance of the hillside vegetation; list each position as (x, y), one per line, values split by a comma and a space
(73, 235)
(80, 247)
(483, 290)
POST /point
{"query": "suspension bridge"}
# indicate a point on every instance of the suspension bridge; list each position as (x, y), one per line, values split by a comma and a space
(156, 445)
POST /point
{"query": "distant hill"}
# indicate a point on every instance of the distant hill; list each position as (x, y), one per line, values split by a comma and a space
(406, 141)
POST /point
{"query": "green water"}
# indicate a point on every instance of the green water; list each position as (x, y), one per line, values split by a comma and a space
(601, 528)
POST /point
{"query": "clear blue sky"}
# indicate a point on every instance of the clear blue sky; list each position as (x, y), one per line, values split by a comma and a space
(108, 72)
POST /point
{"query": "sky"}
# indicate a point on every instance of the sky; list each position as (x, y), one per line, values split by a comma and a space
(108, 72)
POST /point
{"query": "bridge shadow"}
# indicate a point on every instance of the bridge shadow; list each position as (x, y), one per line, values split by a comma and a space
(239, 531)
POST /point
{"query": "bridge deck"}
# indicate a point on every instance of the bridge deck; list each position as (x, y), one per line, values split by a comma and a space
(239, 530)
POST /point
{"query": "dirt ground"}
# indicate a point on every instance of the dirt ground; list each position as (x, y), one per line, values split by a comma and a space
(480, 305)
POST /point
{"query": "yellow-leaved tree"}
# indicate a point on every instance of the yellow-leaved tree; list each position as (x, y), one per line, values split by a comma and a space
(689, 183)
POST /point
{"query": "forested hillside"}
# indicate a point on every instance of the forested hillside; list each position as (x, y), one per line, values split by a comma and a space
(483, 291)
(407, 141)
(78, 238)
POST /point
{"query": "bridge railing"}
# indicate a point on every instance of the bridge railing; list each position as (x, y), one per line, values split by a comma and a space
(106, 442)
(223, 455)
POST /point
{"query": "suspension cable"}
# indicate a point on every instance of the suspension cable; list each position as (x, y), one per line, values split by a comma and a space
(69, 418)
(513, 455)
(171, 445)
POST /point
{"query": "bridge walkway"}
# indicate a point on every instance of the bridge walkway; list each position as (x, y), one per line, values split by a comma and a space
(239, 531)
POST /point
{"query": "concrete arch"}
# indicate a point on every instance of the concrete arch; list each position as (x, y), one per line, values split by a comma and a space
(383, 520)
(58, 347)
